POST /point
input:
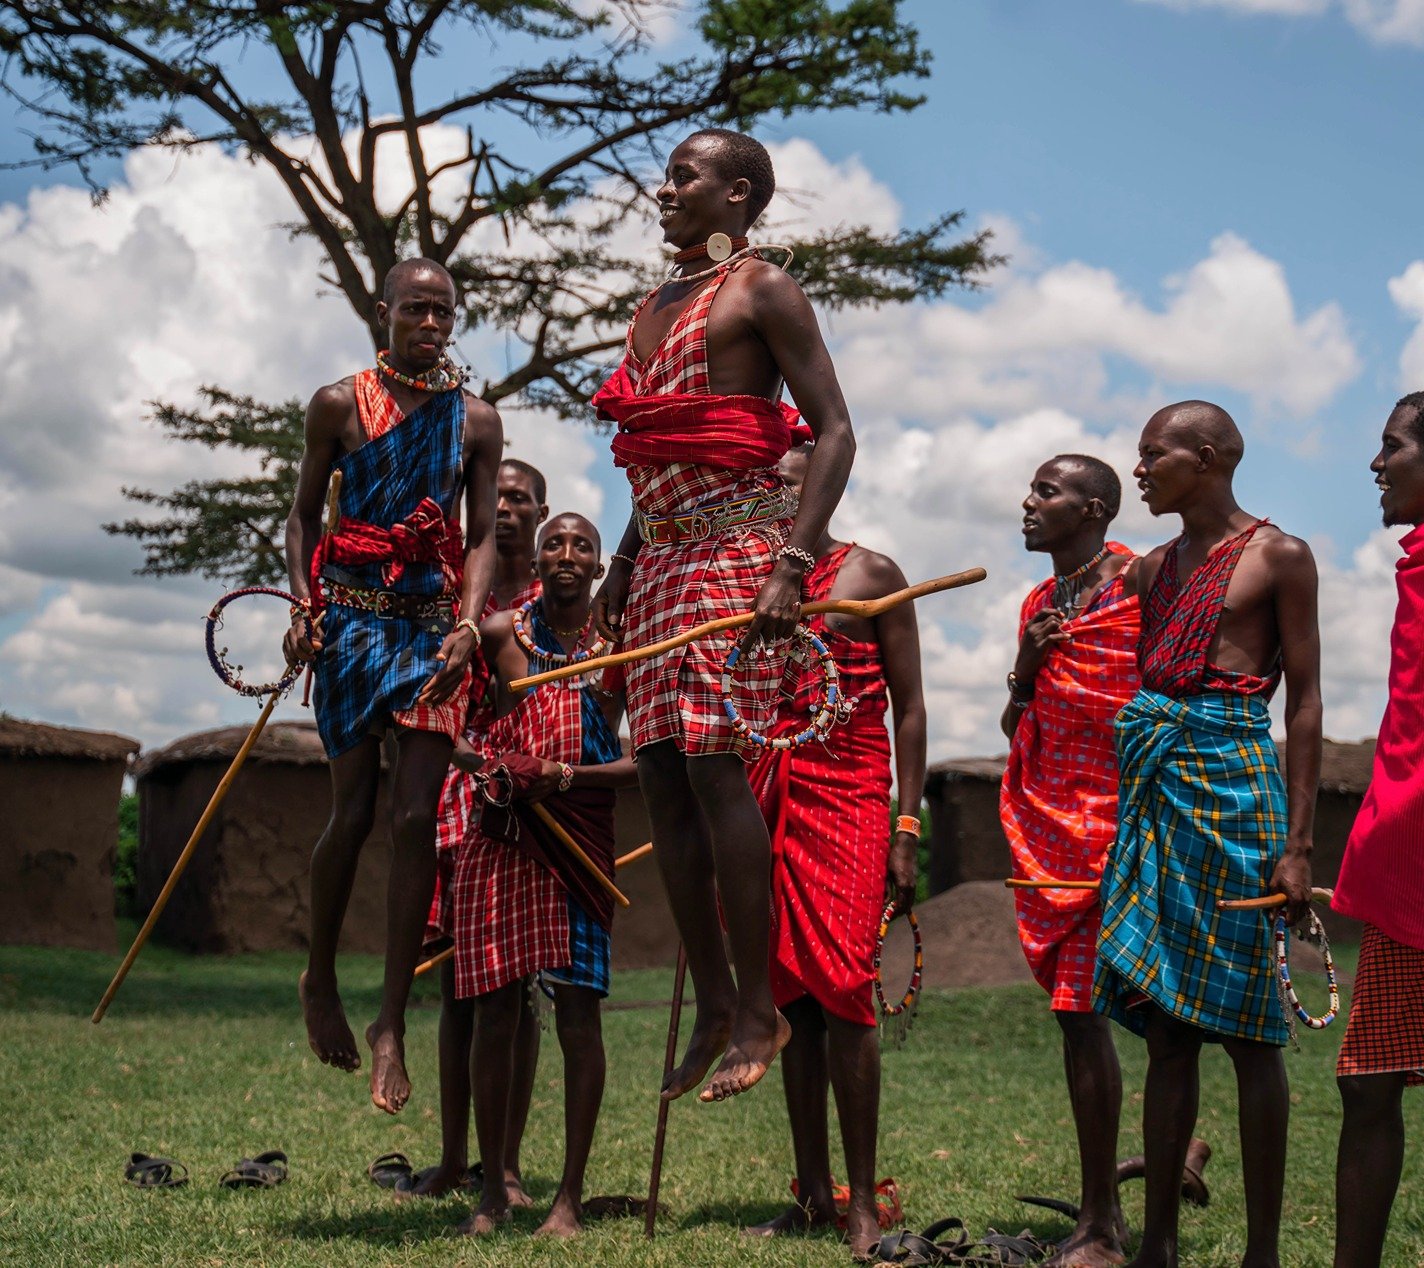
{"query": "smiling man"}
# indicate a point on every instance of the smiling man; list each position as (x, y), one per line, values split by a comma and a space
(399, 591)
(1228, 608)
(713, 534)
(1382, 883)
(1076, 667)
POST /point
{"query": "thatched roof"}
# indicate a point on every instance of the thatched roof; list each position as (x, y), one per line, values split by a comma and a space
(293, 743)
(19, 738)
(1344, 767)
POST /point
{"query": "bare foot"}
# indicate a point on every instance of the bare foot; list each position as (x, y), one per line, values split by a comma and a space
(514, 1191)
(709, 1040)
(862, 1231)
(436, 1182)
(327, 1032)
(390, 1085)
(484, 1219)
(745, 1063)
(1084, 1248)
(565, 1219)
(794, 1219)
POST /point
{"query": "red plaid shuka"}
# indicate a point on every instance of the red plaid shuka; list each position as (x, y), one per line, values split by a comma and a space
(457, 798)
(1058, 801)
(1179, 622)
(1385, 1033)
(678, 696)
(828, 809)
(510, 914)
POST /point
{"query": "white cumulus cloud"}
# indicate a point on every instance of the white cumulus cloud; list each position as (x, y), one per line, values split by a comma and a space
(1384, 21)
(1407, 292)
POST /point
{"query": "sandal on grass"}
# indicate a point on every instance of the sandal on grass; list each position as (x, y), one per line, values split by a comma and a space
(474, 1181)
(993, 1249)
(614, 1206)
(389, 1170)
(145, 1172)
(266, 1171)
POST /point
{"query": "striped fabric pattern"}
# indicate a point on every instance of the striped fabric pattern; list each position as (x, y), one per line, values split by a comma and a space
(1201, 817)
(1385, 1034)
(678, 696)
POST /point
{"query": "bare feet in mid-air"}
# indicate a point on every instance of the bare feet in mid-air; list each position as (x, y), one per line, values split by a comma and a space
(746, 1061)
(327, 1032)
(514, 1191)
(708, 1042)
(485, 1218)
(390, 1085)
(565, 1218)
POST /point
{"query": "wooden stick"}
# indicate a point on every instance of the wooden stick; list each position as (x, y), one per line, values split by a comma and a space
(574, 848)
(333, 518)
(1271, 900)
(168, 886)
(1018, 882)
(655, 1177)
(631, 857)
(845, 607)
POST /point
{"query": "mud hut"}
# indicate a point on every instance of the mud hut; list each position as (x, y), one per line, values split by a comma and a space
(60, 788)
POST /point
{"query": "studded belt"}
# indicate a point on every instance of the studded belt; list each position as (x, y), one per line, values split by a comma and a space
(707, 520)
(390, 605)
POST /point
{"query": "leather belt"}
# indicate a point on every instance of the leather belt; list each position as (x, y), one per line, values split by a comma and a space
(390, 605)
(708, 520)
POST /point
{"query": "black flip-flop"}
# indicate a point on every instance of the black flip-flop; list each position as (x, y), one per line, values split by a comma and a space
(266, 1171)
(389, 1170)
(146, 1172)
(474, 1181)
(914, 1249)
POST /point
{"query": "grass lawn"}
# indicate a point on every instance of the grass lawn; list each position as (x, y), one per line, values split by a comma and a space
(205, 1060)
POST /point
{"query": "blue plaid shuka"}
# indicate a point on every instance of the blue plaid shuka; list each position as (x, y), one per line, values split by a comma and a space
(371, 667)
(1201, 817)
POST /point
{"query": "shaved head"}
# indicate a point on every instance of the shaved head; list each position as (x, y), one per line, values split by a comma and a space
(1194, 424)
(407, 271)
(572, 520)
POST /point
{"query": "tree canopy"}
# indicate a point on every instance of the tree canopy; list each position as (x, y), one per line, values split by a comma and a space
(516, 177)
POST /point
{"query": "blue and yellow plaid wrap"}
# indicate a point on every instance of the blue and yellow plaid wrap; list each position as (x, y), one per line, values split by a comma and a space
(1201, 817)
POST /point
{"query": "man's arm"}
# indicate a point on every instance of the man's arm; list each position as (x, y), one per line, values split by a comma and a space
(1295, 596)
(321, 432)
(898, 633)
(484, 446)
(782, 316)
(613, 593)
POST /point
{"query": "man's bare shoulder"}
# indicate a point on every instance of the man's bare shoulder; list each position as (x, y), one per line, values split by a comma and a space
(496, 628)
(768, 283)
(876, 575)
(340, 395)
(1282, 551)
(480, 412)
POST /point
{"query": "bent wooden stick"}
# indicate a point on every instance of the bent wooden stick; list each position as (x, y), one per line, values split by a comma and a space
(1018, 882)
(576, 850)
(632, 856)
(655, 1177)
(166, 892)
(865, 608)
(1271, 900)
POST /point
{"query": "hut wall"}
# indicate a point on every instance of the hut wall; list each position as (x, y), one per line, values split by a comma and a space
(967, 842)
(644, 935)
(60, 830)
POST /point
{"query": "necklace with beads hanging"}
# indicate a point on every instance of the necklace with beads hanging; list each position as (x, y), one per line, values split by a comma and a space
(1068, 587)
(441, 377)
(522, 618)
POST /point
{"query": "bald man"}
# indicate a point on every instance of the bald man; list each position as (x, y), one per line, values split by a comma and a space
(1228, 610)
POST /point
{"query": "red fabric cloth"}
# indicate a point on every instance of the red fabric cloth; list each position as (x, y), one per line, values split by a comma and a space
(1385, 1031)
(1058, 800)
(1179, 621)
(678, 697)
(1382, 874)
(424, 536)
(828, 809)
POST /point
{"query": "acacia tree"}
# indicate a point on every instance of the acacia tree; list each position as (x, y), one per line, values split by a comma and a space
(333, 96)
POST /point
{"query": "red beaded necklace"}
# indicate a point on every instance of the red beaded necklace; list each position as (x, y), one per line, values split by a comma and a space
(709, 250)
(441, 377)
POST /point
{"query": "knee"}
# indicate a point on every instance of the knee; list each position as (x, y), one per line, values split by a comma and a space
(1369, 1095)
(413, 828)
(497, 1014)
(580, 1028)
(714, 778)
(1170, 1040)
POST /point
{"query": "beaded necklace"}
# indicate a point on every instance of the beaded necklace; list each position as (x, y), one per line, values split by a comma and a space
(1068, 587)
(554, 659)
(441, 377)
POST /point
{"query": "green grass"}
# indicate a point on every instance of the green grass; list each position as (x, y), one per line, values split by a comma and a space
(204, 1059)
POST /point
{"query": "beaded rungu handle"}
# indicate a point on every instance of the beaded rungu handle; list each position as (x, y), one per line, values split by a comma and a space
(231, 674)
(824, 716)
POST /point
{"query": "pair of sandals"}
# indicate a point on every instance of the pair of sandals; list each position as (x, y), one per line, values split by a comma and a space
(266, 1171)
(394, 1171)
(931, 1247)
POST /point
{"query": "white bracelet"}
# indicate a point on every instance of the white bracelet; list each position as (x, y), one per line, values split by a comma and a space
(566, 776)
(800, 556)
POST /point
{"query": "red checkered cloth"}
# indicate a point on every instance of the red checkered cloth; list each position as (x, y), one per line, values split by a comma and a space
(1058, 800)
(511, 914)
(457, 798)
(1385, 1033)
(678, 696)
(828, 809)
(1179, 623)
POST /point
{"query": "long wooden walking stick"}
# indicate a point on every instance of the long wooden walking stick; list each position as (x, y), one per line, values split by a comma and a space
(865, 608)
(1019, 882)
(1271, 900)
(168, 886)
(655, 1177)
(576, 850)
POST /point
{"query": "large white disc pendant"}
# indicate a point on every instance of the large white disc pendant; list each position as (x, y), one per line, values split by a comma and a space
(719, 247)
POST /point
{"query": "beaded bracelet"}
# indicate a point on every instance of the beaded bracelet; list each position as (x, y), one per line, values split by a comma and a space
(467, 623)
(1315, 931)
(231, 674)
(822, 719)
(797, 555)
(908, 823)
(912, 993)
(627, 559)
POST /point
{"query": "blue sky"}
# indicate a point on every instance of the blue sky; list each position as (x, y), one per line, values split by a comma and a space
(1199, 200)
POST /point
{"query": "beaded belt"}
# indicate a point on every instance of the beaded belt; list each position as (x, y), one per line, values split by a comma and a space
(704, 521)
(390, 605)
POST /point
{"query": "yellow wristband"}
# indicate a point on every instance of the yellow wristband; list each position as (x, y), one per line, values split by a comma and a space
(908, 823)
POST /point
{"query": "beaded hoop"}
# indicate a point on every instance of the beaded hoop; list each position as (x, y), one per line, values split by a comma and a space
(553, 659)
(217, 657)
(1316, 932)
(913, 993)
(822, 719)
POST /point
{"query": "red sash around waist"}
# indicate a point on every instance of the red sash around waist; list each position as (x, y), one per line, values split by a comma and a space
(424, 536)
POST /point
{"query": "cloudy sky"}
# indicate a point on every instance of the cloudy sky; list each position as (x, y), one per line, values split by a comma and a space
(1215, 198)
